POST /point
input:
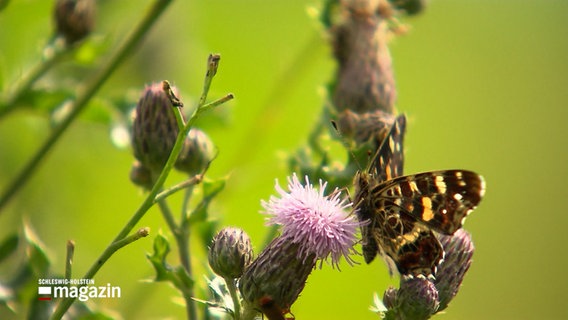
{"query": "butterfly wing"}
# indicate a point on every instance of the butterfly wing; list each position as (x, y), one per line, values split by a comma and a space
(410, 207)
(386, 164)
(440, 200)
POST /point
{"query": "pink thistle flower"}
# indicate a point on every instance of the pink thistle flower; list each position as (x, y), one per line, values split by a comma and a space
(319, 223)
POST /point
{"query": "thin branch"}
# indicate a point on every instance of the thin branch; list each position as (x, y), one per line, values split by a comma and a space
(69, 259)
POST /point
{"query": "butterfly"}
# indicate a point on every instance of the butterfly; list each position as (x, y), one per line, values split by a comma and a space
(404, 212)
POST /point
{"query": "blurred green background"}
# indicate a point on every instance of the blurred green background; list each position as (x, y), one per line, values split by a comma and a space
(484, 84)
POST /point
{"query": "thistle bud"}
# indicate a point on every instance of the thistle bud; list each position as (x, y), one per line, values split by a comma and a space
(417, 298)
(197, 152)
(459, 251)
(277, 273)
(155, 128)
(389, 298)
(230, 253)
(74, 19)
(141, 176)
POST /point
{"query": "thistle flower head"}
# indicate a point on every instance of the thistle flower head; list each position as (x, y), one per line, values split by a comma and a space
(459, 251)
(320, 224)
(277, 273)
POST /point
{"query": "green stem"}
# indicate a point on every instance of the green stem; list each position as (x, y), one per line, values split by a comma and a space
(236, 302)
(51, 54)
(249, 312)
(69, 259)
(182, 240)
(189, 183)
(168, 216)
(83, 97)
(183, 250)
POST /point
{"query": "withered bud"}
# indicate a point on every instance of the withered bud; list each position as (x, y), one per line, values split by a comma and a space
(198, 150)
(459, 252)
(277, 273)
(230, 253)
(364, 127)
(365, 80)
(141, 176)
(155, 128)
(74, 19)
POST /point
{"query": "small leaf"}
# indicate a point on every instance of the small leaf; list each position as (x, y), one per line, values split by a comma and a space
(212, 187)
(8, 246)
(158, 258)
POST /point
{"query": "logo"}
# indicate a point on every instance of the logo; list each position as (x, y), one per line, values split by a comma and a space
(81, 289)
(405, 211)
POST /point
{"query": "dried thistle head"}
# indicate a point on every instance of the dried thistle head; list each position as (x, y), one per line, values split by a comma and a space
(74, 19)
(365, 80)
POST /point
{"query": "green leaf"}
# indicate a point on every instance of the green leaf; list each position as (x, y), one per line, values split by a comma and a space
(8, 246)
(212, 187)
(158, 258)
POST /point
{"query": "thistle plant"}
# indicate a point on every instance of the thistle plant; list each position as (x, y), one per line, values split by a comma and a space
(318, 219)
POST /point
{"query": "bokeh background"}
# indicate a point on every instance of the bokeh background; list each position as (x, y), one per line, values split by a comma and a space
(484, 84)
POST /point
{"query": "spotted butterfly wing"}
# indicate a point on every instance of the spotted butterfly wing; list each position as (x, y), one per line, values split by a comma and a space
(386, 164)
(409, 208)
(403, 211)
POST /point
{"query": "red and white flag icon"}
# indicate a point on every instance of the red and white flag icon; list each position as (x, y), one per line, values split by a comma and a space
(44, 293)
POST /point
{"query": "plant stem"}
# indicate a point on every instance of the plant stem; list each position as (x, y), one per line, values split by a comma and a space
(189, 183)
(52, 52)
(167, 214)
(83, 97)
(233, 291)
(182, 239)
(69, 259)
